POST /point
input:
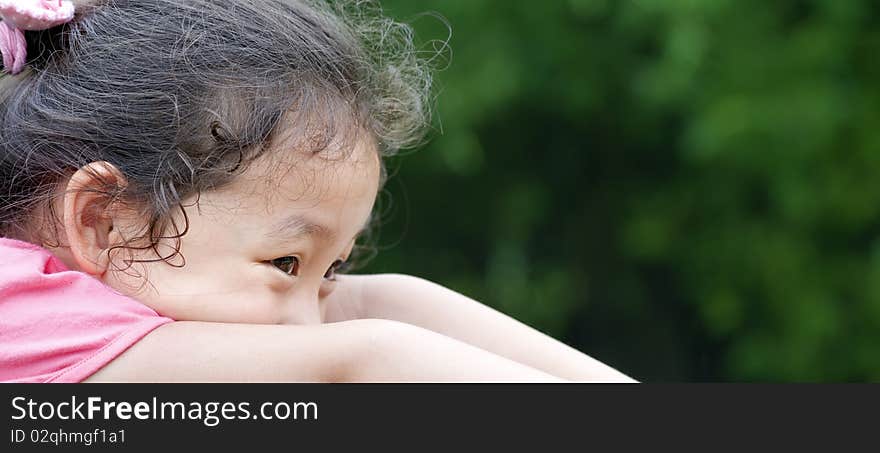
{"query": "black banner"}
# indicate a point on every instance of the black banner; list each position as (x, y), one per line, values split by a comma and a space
(574, 417)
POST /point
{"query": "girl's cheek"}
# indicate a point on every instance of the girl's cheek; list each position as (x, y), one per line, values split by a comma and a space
(256, 307)
(278, 285)
(241, 299)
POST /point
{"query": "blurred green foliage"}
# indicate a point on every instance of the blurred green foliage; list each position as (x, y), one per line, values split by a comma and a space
(685, 189)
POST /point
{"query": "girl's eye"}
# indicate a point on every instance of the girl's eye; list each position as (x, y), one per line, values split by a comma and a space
(287, 264)
(334, 268)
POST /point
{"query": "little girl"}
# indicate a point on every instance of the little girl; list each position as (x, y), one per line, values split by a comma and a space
(181, 182)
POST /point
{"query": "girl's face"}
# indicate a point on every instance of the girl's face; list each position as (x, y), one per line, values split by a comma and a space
(264, 248)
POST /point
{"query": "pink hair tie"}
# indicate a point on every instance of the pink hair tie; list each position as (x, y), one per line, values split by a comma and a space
(19, 15)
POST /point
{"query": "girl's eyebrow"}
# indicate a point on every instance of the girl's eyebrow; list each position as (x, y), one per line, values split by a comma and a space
(297, 225)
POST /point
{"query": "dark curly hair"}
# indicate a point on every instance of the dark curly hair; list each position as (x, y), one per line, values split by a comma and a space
(181, 96)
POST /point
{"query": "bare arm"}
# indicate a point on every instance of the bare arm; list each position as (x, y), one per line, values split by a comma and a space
(368, 350)
(422, 303)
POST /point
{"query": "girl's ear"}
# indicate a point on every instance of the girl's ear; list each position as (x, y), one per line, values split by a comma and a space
(90, 214)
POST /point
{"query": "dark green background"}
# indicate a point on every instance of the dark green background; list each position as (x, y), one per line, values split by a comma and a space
(688, 190)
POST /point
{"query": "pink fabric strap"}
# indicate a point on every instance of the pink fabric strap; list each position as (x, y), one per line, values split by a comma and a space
(58, 325)
(19, 15)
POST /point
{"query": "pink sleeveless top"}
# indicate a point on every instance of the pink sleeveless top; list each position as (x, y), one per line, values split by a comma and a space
(57, 325)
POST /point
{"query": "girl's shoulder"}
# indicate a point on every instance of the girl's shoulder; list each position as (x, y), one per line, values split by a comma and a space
(58, 325)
